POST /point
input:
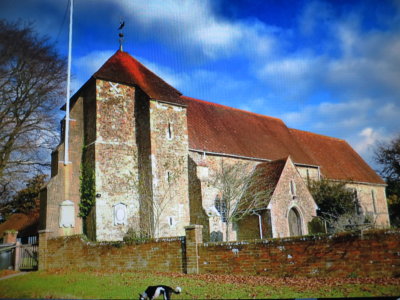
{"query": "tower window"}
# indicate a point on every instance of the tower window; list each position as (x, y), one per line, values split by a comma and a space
(169, 131)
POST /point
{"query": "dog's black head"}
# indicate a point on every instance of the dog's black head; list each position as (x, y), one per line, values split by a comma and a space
(142, 296)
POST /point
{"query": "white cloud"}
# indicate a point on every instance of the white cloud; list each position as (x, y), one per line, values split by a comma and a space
(196, 26)
(369, 137)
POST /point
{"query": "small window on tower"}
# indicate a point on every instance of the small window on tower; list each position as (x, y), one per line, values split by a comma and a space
(169, 131)
(168, 176)
(292, 188)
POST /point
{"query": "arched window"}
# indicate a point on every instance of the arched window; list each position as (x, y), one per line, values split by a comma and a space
(220, 205)
(294, 220)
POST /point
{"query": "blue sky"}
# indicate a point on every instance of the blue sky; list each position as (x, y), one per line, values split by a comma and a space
(330, 67)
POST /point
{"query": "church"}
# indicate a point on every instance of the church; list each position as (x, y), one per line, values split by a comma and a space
(144, 158)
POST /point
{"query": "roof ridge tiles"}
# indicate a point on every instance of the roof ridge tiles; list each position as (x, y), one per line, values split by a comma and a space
(229, 107)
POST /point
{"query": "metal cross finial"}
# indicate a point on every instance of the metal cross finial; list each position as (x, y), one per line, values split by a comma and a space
(121, 35)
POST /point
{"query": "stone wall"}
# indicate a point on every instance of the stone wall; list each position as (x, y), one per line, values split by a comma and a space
(169, 165)
(116, 160)
(64, 183)
(372, 254)
(372, 199)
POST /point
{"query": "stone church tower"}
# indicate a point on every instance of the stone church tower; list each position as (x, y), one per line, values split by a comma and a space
(129, 140)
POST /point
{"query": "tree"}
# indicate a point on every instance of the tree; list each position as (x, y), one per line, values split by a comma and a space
(31, 83)
(337, 204)
(242, 191)
(388, 156)
(25, 200)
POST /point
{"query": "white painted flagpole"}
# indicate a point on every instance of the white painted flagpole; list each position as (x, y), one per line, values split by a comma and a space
(67, 119)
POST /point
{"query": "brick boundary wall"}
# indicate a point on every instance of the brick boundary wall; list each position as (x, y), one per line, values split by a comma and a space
(371, 254)
(73, 252)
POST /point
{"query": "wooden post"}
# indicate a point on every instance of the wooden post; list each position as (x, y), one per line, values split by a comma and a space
(17, 256)
(194, 237)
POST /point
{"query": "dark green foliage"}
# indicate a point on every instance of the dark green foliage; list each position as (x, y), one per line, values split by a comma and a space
(388, 156)
(87, 190)
(26, 200)
(333, 198)
(316, 226)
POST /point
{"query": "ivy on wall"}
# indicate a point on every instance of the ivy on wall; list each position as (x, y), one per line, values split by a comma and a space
(87, 190)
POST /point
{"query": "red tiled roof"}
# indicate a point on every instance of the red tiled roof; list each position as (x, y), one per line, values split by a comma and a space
(222, 129)
(123, 68)
(336, 157)
(26, 225)
(271, 171)
(263, 183)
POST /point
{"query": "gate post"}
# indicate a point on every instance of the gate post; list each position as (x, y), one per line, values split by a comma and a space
(194, 237)
(43, 237)
(17, 257)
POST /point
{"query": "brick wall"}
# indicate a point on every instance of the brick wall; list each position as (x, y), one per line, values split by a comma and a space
(164, 255)
(373, 254)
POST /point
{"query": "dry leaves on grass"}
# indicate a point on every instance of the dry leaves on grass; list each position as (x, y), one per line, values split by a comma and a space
(4, 273)
(293, 282)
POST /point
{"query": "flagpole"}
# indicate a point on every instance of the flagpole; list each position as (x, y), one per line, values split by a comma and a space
(67, 119)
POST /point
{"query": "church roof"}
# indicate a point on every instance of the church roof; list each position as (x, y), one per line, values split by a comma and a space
(337, 158)
(263, 184)
(225, 130)
(123, 68)
(222, 129)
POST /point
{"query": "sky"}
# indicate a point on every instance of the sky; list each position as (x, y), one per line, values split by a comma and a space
(329, 67)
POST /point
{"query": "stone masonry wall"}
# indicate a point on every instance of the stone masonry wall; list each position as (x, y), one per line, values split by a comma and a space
(116, 157)
(169, 165)
(64, 183)
(372, 199)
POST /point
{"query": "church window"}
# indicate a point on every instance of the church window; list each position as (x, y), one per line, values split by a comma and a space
(168, 176)
(171, 221)
(169, 131)
(358, 207)
(373, 196)
(292, 188)
(220, 205)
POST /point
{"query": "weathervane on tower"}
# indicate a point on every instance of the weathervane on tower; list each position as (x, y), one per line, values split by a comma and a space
(121, 35)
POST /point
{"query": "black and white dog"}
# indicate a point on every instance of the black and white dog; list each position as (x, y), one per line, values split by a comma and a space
(152, 292)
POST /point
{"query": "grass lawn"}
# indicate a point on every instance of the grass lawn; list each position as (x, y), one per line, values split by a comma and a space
(123, 285)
